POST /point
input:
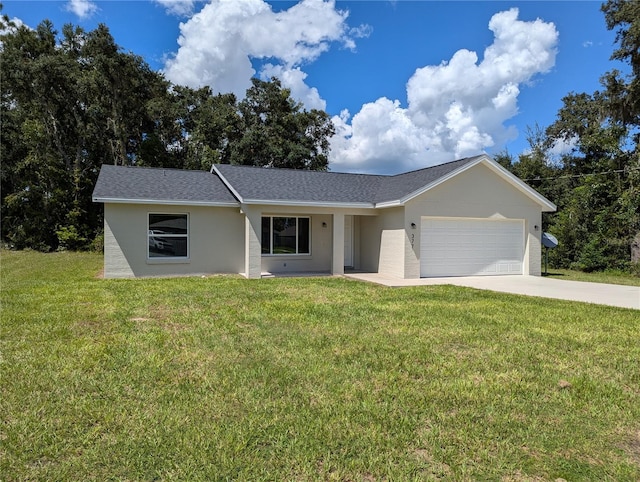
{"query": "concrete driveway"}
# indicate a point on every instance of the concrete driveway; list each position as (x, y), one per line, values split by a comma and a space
(602, 294)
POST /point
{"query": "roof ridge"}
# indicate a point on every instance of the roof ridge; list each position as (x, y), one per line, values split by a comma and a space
(387, 176)
(468, 159)
(156, 168)
(266, 168)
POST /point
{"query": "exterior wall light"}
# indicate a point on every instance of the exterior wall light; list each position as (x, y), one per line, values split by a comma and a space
(413, 225)
(324, 225)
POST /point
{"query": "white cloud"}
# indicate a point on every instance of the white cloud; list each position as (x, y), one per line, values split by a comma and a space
(563, 146)
(455, 109)
(218, 43)
(293, 79)
(180, 8)
(82, 8)
(7, 28)
(15, 24)
(381, 138)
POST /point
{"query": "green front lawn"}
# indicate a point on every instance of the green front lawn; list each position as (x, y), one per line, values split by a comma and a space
(611, 277)
(223, 378)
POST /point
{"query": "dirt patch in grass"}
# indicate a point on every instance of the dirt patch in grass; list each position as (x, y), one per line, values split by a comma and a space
(433, 470)
(160, 312)
(160, 316)
(632, 447)
(520, 477)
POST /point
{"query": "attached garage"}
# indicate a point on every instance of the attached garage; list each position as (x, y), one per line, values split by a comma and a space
(471, 247)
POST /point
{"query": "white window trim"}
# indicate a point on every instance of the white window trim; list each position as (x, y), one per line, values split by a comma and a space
(170, 259)
(296, 254)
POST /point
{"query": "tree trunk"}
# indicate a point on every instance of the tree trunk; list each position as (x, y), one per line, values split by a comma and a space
(635, 249)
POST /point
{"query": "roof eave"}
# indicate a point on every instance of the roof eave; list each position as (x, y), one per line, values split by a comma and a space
(402, 201)
(319, 204)
(166, 202)
(547, 206)
(389, 204)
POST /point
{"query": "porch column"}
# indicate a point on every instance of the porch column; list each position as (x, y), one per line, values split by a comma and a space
(337, 266)
(252, 242)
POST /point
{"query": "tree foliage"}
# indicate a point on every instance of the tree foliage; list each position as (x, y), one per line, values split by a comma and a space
(597, 184)
(277, 132)
(73, 101)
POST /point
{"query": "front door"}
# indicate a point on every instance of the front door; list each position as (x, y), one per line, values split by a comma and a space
(348, 241)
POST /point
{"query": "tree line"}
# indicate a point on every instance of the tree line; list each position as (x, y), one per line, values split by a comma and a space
(72, 102)
(596, 185)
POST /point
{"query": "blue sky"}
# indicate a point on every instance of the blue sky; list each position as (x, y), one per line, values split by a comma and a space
(399, 77)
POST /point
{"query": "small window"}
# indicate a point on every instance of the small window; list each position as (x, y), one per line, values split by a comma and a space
(286, 235)
(168, 236)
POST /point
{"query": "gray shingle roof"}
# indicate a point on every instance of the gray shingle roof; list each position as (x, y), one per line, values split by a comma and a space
(265, 185)
(394, 188)
(118, 183)
(287, 185)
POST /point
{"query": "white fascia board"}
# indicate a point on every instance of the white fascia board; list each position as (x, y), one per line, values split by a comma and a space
(439, 181)
(171, 202)
(316, 204)
(227, 183)
(389, 204)
(547, 206)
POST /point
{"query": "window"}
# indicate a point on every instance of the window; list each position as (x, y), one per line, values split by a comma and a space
(286, 235)
(168, 236)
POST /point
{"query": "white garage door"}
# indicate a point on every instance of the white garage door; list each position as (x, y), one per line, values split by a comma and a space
(466, 247)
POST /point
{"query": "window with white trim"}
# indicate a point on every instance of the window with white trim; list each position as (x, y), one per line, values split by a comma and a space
(286, 235)
(168, 235)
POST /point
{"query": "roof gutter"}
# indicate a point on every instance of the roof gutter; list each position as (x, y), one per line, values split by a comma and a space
(171, 202)
(390, 204)
(320, 204)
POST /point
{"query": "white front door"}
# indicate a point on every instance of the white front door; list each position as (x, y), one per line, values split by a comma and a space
(348, 241)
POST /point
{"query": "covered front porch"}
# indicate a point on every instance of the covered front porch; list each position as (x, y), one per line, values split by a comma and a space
(300, 241)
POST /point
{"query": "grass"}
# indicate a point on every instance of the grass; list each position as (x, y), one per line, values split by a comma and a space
(223, 378)
(611, 277)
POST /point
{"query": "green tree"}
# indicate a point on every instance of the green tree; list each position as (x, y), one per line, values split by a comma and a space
(37, 142)
(278, 132)
(71, 103)
(211, 124)
(68, 106)
(600, 224)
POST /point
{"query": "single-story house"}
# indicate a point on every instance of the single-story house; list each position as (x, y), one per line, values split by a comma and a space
(466, 217)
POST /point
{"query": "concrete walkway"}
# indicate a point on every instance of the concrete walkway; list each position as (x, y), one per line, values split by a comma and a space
(602, 294)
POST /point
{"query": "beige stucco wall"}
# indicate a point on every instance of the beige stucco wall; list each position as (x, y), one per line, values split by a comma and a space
(475, 193)
(216, 241)
(368, 246)
(383, 241)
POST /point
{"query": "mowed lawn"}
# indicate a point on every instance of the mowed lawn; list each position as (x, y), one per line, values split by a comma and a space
(222, 378)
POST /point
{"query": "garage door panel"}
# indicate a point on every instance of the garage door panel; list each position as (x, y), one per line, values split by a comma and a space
(465, 247)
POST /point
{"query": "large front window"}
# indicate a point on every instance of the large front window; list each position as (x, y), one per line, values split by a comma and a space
(168, 236)
(282, 235)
